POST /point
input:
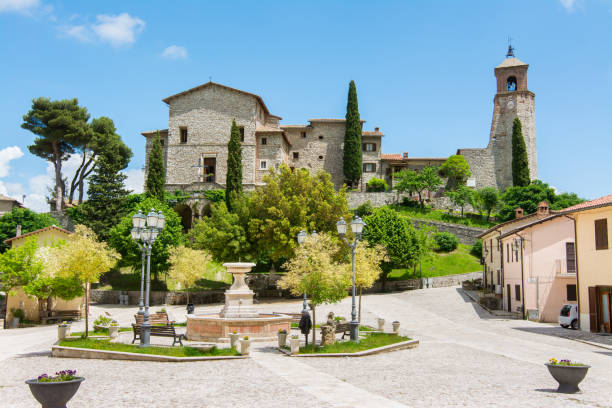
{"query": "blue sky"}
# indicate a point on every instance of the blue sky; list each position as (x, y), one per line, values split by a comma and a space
(424, 71)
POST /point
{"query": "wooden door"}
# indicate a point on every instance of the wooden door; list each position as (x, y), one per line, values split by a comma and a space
(508, 295)
(604, 309)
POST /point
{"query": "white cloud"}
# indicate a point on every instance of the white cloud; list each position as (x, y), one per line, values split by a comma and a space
(18, 5)
(118, 30)
(175, 52)
(135, 180)
(6, 155)
(568, 4)
(80, 32)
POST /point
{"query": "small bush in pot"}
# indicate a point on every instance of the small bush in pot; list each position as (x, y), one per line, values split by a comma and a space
(282, 338)
(568, 374)
(57, 390)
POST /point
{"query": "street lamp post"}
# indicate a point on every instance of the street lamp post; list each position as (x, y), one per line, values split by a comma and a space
(357, 226)
(145, 231)
(301, 238)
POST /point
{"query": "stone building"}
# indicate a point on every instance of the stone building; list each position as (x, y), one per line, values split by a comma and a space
(492, 166)
(7, 204)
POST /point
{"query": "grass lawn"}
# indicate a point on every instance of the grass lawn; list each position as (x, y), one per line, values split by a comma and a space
(318, 326)
(452, 263)
(161, 351)
(103, 332)
(370, 341)
(443, 216)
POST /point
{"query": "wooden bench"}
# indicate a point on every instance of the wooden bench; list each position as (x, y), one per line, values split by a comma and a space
(343, 328)
(154, 318)
(159, 331)
(61, 315)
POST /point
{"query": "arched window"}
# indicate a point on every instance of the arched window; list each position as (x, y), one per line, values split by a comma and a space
(511, 84)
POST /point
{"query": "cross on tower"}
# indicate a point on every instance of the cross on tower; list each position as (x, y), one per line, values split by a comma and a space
(510, 52)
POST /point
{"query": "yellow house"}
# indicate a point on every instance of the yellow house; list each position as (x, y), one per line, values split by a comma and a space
(594, 260)
(18, 299)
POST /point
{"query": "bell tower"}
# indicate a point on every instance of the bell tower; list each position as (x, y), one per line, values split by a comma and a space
(513, 99)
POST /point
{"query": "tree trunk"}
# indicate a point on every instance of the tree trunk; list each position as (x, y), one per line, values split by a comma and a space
(187, 291)
(57, 162)
(87, 310)
(314, 327)
(41, 308)
(359, 318)
(49, 305)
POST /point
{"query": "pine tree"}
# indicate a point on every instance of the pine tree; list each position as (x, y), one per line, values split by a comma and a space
(233, 180)
(156, 177)
(352, 138)
(520, 162)
(107, 198)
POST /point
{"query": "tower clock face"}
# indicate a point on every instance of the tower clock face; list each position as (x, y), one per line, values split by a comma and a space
(510, 104)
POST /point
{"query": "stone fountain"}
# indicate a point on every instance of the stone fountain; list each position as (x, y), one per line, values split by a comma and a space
(238, 314)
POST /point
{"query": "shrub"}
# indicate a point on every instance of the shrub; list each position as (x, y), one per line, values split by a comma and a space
(215, 196)
(18, 313)
(477, 248)
(445, 241)
(376, 184)
(364, 209)
(102, 321)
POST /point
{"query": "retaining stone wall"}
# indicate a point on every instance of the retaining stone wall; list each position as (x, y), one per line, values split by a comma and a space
(466, 235)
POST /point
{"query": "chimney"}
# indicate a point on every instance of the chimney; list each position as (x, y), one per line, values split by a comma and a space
(543, 210)
(405, 155)
(377, 129)
(18, 232)
(518, 213)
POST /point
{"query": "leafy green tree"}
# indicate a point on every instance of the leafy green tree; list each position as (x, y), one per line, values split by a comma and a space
(107, 198)
(456, 169)
(29, 221)
(223, 234)
(486, 200)
(410, 181)
(121, 239)
(461, 196)
(156, 173)
(520, 161)
(61, 127)
(527, 197)
(233, 180)
(565, 200)
(314, 270)
(291, 201)
(377, 184)
(352, 138)
(187, 266)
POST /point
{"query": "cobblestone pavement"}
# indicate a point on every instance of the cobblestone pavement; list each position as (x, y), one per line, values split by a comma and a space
(467, 358)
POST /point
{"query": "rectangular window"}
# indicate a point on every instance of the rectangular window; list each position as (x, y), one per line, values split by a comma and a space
(369, 147)
(601, 234)
(499, 277)
(369, 167)
(264, 141)
(242, 134)
(183, 135)
(161, 141)
(570, 257)
(517, 292)
(296, 155)
(303, 134)
(512, 251)
(263, 165)
(571, 293)
(507, 253)
(491, 243)
(210, 163)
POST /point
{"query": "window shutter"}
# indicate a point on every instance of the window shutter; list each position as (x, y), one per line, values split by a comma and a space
(363, 147)
(593, 308)
(364, 167)
(570, 257)
(374, 167)
(601, 234)
(491, 244)
(373, 147)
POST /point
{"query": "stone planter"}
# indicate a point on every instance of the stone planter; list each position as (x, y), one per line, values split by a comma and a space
(63, 331)
(396, 326)
(54, 394)
(98, 327)
(381, 324)
(14, 323)
(282, 339)
(568, 377)
(245, 347)
(295, 346)
(234, 337)
(113, 332)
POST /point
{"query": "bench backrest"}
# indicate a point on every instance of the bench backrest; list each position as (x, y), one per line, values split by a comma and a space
(156, 329)
(154, 318)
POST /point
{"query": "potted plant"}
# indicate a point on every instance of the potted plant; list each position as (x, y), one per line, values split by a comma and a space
(63, 330)
(55, 391)
(113, 330)
(381, 324)
(396, 326)
(234, 336)
(102, 323)
(282, 338)
(568, 374)
(245, 346)
(18, 316)
(294, 342)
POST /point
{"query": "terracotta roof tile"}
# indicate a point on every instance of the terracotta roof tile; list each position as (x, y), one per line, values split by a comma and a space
(268, 129)
(375, 133)
(392, 156)
(6, 241)
(598, 202)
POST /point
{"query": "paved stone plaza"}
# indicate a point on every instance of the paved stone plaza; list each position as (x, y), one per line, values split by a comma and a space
(466, 358)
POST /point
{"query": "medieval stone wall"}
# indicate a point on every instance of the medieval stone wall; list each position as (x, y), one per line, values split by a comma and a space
(271, 153)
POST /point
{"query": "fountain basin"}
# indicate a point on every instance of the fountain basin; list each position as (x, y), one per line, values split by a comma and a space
(214, 328)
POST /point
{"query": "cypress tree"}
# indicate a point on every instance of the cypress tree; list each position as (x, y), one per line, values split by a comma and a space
(352, 138)
(520, 162)
(156, 177)
(233, 180)
(107, 197)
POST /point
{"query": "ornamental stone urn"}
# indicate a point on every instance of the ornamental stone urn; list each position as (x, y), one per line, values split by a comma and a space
(113, 331)
(63, 331)
(234, 337)
(54, 394)
(328, 335)
(245, 346)
(282, 338)
(396, 326)
(295, 346)
(381, 324)
(568, 376)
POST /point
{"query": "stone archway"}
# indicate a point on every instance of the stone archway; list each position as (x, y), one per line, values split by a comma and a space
(186, 214)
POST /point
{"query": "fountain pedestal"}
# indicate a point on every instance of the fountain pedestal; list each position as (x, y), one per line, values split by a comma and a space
(238, 298)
